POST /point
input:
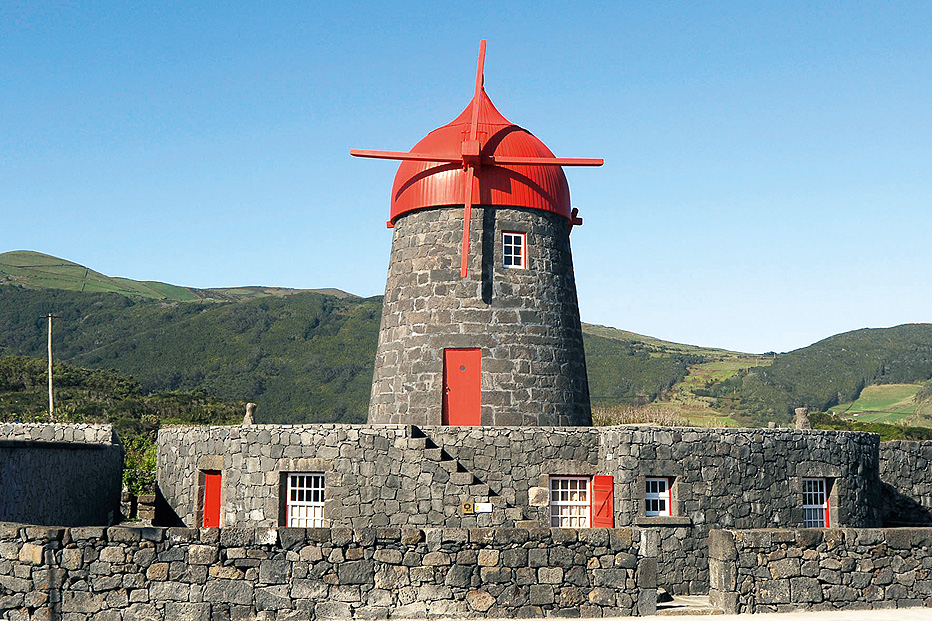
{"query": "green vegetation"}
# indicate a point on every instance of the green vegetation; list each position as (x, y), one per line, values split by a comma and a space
(303, 358)
(823, 420)
(628, 368)
(105, 396)
(34, 270)
(307, 356)
(827, 373)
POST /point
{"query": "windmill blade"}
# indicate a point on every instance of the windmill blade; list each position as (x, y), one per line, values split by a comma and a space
(545, 161)
(405, 155)
(467, 216)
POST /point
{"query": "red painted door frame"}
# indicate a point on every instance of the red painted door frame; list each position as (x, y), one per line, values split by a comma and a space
(462, 394)
(212, 487)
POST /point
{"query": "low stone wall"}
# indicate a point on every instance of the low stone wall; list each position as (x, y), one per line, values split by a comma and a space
(57, 432)
(820, 569)
(906, 475)
(68, 475)
(117, 573)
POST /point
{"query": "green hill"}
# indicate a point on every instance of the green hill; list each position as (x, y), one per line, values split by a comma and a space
(34, 270)
(304, 357)
(832, 371)
(307, 356)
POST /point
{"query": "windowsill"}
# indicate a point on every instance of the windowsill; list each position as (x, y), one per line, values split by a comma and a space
(663, 520)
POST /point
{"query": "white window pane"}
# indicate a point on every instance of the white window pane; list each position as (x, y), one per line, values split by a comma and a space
(305, 504)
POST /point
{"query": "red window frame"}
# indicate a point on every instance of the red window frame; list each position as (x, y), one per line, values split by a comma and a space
(509, 243)
(665, 495)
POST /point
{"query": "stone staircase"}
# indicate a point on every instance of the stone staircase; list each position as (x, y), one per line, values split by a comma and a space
(459, 474)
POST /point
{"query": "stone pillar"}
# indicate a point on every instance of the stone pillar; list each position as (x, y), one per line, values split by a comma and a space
(802, 418)
(526, 321)
(250, 417)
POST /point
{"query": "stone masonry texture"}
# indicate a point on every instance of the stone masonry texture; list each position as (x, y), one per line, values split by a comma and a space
(906, 476)
(410, 476)
(58, 474)
(295, 574)
(820, 569)
(526, 321)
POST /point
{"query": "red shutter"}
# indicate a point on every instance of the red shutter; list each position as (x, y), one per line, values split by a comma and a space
(603, 502)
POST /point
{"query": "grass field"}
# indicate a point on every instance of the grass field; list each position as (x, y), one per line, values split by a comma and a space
(887, 403)
(35, 270)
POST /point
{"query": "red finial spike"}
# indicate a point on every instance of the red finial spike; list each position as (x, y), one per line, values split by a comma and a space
(471, 150)
(477, 94)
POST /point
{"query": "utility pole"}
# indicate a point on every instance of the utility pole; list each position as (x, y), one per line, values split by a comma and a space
(51, 402)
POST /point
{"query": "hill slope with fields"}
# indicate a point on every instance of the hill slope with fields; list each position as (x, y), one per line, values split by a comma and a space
(307, 356)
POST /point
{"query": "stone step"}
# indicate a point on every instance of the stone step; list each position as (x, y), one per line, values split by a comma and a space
(434, 454)
(417, 444)
(451, 465)
(462, 478)
(687, 605)
(481, 490)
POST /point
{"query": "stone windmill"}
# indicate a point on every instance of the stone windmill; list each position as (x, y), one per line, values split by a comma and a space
(480, 323)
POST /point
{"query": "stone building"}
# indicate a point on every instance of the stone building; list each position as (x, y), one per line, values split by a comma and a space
(479, 414)
(675, 484)
(58, 474)
(480, 322)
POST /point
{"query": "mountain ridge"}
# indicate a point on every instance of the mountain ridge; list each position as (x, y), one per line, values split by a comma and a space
(308, 355)
(36, 270)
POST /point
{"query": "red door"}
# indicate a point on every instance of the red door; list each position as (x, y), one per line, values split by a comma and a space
(462, 370)
(212, 498)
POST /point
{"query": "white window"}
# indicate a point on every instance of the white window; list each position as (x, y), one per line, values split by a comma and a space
(304, 504)
(514, 253)
(569, 502)
(658, 496)
(815, 503)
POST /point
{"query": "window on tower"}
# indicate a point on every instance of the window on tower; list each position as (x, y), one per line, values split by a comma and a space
(514, 250)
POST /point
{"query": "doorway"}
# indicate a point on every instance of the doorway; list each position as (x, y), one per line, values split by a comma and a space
(462, 395)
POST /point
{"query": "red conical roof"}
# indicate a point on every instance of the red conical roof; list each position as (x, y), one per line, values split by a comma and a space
(420, 184)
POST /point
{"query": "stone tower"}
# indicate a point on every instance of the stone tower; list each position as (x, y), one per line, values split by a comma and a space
(480, 322)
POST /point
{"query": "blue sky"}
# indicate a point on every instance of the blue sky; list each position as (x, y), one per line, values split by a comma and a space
(768, 175)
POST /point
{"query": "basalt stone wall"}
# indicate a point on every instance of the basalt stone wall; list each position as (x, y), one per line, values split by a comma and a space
(395, 475)
(526, 321)
(69, 475)
(97, 574)
(375, 475)
(733, 478)
(818, 569)
(906, 474)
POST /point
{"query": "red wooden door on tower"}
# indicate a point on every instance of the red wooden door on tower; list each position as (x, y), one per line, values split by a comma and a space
(212, 484)
(462, 396)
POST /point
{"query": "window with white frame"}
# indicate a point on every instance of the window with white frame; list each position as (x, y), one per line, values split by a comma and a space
(569, 502)
(815, 503)
(514, 250)
(658, 496)
(304, 500)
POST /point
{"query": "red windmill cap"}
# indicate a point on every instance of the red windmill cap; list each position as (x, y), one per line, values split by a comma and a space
(421, 184)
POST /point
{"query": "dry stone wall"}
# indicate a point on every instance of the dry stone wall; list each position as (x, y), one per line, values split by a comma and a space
(820, 569)
(123, 574)
(526, 321)
(59, 474)
(906, 475)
